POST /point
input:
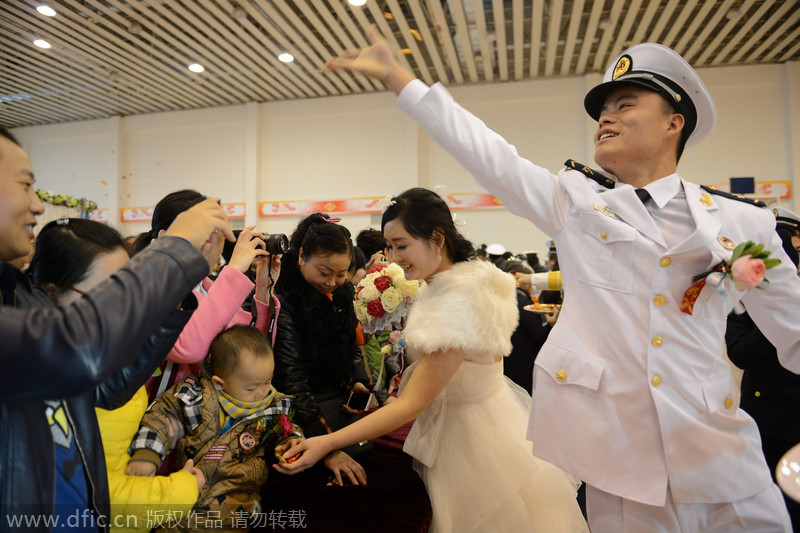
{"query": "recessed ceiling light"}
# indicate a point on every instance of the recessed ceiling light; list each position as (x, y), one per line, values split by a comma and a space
(196, 67)
(733, 13)
(286, 57)
(46, 11)
(41, 43)
(605, 24)
(357, 3)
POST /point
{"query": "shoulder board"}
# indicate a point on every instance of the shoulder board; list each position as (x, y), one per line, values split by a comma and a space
(737, 197)
(589, 173)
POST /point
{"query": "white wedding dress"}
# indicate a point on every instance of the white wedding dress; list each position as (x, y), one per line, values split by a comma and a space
(469, 445)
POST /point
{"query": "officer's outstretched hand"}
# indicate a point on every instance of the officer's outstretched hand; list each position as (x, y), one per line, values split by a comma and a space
(376, 61)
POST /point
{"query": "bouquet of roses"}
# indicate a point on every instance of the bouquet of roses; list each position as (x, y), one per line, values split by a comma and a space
(383, 297)
(743, 271)
(381, 304)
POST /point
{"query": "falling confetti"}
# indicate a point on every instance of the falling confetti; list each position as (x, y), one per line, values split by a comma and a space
(405, 51)
(104, 182)
(416, 34)
(124, 176)
(113, 151)
(388, 15)
(158, 163)
(439, 27)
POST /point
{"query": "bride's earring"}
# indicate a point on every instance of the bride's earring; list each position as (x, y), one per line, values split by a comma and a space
(439, 254)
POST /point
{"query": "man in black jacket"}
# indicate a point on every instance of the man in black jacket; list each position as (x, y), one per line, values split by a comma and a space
(59, 363)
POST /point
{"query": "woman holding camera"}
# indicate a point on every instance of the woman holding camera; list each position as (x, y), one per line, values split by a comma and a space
(316, 357)
(220, 300)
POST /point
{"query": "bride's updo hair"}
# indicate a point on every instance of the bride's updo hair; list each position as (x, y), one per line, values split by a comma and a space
(422, 212)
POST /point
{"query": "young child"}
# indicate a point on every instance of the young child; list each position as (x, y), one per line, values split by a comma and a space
(230, 421)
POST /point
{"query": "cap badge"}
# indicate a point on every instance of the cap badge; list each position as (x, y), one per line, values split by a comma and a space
(606, 210)
(775, 212)
(623, 66)
(705, 199)
(726, 242)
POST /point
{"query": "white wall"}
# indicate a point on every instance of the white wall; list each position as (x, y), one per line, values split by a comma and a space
(355, 146)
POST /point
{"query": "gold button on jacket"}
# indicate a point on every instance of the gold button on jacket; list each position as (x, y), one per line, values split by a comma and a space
(657, 341)
(656, 381)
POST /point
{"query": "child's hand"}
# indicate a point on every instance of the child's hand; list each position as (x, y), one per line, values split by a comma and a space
(196, 472)
(287, 445)
(175, 432)
(141, 469)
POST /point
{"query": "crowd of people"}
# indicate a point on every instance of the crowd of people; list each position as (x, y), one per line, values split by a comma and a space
(142, 377)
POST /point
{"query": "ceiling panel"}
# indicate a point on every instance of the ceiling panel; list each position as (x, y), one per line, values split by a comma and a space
(122, 57)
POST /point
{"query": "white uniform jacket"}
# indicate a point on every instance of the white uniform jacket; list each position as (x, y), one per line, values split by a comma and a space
(630, 394)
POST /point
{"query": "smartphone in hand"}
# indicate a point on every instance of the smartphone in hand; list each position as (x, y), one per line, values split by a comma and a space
(360, 401)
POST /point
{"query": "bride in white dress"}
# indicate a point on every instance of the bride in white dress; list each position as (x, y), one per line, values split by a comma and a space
(469, 436)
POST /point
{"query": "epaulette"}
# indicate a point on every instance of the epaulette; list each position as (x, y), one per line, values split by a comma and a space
(732, 196)
(591, 174)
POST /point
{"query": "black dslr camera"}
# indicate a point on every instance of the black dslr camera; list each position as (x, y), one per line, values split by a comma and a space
(276, 243)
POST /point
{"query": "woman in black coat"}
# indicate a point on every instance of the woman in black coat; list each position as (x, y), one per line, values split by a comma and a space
(316, 357)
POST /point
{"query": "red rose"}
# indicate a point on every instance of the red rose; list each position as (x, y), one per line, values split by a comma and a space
(286, 425)
(374, 308)
(377, 268)
(382, 283)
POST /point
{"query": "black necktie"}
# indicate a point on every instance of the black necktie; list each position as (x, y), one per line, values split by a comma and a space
(643, 195)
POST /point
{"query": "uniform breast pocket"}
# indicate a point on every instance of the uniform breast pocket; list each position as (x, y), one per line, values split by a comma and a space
(607, 253)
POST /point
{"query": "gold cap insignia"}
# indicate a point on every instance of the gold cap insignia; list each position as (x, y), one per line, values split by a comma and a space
(622, 66)
(726, 242)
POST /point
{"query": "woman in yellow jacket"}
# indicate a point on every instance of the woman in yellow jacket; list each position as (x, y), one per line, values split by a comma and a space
(139, 504)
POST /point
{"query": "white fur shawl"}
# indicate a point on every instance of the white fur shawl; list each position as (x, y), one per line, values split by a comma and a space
(471, 306)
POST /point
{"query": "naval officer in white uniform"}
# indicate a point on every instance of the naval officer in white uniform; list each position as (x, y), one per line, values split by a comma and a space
(631, 394)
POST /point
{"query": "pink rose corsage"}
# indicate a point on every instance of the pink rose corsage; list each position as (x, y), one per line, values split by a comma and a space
(745, 270)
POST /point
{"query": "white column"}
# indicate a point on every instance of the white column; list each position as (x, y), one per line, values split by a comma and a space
(792, 130)
(251, 161)
(114, 171)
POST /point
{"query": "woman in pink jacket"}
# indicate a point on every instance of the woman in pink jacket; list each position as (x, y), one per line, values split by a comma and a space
(220, 300)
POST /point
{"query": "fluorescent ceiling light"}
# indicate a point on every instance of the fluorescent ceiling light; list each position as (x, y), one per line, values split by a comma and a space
(286, 57)
(41, 43)
(196, 67)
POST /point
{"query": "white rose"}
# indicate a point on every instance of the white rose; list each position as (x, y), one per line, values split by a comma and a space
(361, 312)
(407, 287)
(390, 299)
(369, 293)
(394, 270)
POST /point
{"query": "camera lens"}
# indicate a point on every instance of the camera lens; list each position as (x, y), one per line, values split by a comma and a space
(276, 244)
